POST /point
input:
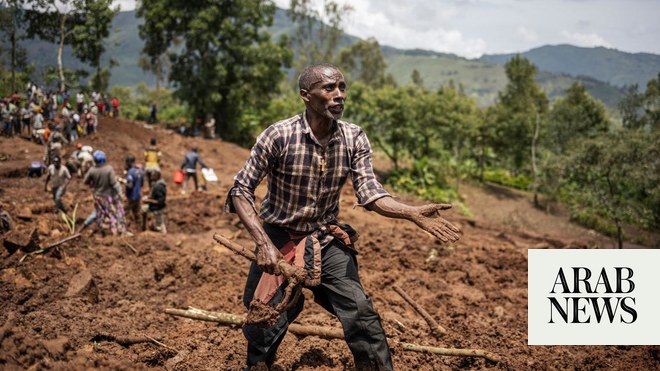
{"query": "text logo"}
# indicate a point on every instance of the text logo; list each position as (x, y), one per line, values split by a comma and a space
(593, 297)
(583, 297)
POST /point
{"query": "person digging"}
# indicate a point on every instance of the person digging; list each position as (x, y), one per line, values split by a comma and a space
(307, 159)
(156, 202)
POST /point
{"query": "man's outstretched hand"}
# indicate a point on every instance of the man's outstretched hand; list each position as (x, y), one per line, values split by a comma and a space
(428, 218)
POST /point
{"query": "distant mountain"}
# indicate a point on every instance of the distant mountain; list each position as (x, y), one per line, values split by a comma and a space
(483, 80)
(609, 65)
(559, 66)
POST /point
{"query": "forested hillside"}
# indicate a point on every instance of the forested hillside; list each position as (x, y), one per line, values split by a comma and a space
(602, 71)
(604, 64)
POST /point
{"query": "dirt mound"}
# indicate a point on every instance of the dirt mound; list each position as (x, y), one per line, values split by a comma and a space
(94, 303)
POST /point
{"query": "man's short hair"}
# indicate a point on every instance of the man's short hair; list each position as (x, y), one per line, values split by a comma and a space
(310, 74)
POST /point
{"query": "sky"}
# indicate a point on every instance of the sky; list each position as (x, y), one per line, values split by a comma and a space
(471, 28)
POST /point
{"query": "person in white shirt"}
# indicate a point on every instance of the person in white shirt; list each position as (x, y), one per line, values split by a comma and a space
(61, 177)
(80, 99)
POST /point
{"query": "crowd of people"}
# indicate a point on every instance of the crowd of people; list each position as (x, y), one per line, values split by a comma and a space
(49, 119)
(33, 113)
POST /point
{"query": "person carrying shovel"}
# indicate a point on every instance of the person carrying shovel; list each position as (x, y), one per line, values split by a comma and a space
(307, 159)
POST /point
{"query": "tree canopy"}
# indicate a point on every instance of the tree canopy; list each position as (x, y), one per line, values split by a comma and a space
(225, 62)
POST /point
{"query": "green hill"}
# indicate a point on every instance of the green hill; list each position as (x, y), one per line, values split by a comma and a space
(560, 66)
(483, 80)
(610, 65)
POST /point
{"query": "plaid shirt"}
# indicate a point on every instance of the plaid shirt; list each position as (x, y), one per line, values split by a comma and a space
(305, 179)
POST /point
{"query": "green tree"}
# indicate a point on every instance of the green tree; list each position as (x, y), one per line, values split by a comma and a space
(54, 21)
(574, 117)
(387, 114)
(11, 15)
(317, 33)
(363, 61)
(226, 62)
(520, 113)
(652, 103)
(417, 78)
(631, 108)
(616, 176)
(89, 36)
(457, 120)
(82, 24)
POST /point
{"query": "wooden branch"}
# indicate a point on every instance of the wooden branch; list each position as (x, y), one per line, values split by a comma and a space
(129, 246)
(130, 340)
(228, 319)
(436, 329)
(55, 244)
(123, 341)
(450, 351)
(289, 271)
(49, 247)
(233, 246)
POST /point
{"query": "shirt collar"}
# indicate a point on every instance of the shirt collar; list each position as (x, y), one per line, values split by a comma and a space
(306, 129)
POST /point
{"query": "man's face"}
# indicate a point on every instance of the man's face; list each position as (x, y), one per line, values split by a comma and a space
(326, 97)
(57, 162)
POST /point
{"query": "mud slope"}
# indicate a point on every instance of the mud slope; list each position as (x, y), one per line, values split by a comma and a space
(58, 309)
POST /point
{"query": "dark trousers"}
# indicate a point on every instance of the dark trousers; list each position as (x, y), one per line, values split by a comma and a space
(341, 294)
(58, 192)
(188, 176)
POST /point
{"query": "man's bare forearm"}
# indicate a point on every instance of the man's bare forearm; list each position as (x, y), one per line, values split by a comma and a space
(426, 217)
(389, 207)
(267, 254)
(250, 220)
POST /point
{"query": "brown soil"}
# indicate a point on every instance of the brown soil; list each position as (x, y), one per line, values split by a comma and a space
(77, 307)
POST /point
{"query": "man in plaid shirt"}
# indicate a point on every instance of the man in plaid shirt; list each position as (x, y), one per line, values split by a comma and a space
(307, 159)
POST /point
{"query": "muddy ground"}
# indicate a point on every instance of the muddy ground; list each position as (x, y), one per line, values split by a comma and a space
(58, 310)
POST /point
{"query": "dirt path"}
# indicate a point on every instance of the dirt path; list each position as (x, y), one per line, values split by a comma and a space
(53, 307)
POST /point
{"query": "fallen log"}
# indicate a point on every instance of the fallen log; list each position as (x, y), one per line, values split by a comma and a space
(436, 329)
(228, 319)
(450, 351)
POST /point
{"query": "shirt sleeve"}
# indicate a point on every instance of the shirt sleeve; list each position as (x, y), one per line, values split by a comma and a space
(367, 188)
(115, 184)
(86, 179)
(262, 157)
(201, 162)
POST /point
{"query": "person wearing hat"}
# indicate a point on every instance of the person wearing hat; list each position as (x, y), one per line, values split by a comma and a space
(155, 203)
(109, 211)
(61, 178)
